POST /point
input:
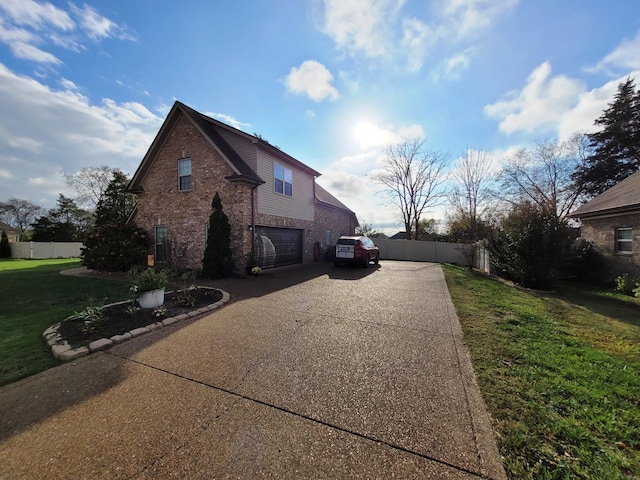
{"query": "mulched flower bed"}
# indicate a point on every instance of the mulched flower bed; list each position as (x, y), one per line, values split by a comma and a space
(118, 320)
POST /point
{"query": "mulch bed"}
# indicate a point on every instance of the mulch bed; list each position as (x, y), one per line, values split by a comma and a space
(118, 321)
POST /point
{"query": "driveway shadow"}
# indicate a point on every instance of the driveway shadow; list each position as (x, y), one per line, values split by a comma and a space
(352, 272)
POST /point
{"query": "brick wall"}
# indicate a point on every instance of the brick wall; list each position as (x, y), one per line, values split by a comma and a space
(186, 213)
(337, 221)
(601, 231)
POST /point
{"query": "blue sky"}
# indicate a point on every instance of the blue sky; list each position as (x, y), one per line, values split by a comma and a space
(331, 82)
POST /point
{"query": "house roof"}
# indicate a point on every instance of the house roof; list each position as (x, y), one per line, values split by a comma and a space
(209, 128)
(400, 236)
(325, 197)
(619, 199)
(7, 228)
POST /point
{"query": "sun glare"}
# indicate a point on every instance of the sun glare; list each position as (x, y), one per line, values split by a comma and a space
(368, 135)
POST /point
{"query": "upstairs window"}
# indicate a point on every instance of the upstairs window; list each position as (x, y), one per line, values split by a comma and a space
(283, 180)
(184, 174)
(624, 240)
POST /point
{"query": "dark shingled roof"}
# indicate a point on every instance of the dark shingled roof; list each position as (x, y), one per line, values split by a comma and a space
(620, 198)
(325, 197)
(208, 129)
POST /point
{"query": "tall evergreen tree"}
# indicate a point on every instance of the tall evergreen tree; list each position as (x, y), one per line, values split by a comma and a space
(616, 147)
(218, 258)
(66, 223)
(115, 203)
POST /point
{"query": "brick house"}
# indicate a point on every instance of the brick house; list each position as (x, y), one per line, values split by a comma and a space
(612, 222)
(272, 199)
(12, 234)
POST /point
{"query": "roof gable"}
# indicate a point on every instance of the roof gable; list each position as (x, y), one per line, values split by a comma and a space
(205, 126)
(620, 198)
(208, 127)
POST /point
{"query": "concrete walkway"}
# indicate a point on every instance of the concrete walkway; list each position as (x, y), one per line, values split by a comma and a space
(309, 372)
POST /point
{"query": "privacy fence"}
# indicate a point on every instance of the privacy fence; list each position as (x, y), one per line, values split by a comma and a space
(45, 249)
(408, 250)
(437, 252)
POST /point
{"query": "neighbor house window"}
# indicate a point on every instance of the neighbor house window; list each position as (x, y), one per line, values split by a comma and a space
(283, 179)
(327, 238)
(184, 174)
(161, 244)
(624, 240)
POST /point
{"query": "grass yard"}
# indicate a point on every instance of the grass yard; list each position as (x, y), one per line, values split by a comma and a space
(33, 296)
(560, 374)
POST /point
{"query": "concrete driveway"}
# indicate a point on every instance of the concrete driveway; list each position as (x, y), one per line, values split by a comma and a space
(309, 372)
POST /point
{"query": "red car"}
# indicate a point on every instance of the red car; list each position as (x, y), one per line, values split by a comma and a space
(359, 249)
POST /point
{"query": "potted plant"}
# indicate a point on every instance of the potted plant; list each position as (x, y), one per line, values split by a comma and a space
(150, 286)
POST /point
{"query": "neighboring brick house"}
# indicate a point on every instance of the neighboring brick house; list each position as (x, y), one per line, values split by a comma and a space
(264, 192)
(612, 222)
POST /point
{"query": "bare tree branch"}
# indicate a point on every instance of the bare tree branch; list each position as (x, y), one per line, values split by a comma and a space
(413, 178)
(89, 184)
(542, 175)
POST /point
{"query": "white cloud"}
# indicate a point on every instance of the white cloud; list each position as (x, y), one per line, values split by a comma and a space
(369, 135)
(26, 51)
(97, 26)
(453, 67)
(68, 133)
(313, 79)
(467, 19)
(37, 15)
(345, 77)
(229, 120)
(29, 28)
(552, 104)
(540, 105)
(361, 26)
(625, 57)
(376, 29)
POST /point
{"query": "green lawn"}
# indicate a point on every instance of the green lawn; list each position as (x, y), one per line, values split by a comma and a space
(560, 374)
(33, 296)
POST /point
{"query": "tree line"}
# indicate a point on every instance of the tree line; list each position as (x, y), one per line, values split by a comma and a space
(521, 207)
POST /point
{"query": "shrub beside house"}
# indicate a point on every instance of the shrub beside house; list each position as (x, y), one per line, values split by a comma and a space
(277, 211)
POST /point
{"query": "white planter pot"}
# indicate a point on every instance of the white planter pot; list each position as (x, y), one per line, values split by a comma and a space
(152, 299)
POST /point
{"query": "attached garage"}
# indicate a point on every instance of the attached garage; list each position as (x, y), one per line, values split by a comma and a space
(276, 247)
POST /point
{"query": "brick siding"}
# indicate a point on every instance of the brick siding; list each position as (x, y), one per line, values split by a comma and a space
(601, 231)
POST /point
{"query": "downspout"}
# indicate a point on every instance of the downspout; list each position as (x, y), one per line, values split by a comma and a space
(253, 220)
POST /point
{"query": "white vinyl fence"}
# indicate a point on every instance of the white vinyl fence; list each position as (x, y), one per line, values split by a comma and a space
(45, 249)
(437, 252)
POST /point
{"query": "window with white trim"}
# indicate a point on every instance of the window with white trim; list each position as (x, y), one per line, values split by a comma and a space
(184, 174)
(624, 240)
(283, 180)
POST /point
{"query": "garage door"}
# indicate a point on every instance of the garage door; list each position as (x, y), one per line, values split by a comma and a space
(276, 247)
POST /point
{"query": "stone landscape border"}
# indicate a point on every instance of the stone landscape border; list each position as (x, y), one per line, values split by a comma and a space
(61, 349)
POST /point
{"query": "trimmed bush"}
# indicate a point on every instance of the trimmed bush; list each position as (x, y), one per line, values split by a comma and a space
(5, 247)
(218, 257)
(115, 248)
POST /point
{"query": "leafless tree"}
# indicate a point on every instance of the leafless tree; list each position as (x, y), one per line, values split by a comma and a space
(413, 178)
(542, 175)
(19, 213)
(471, 193)
(89, 184)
